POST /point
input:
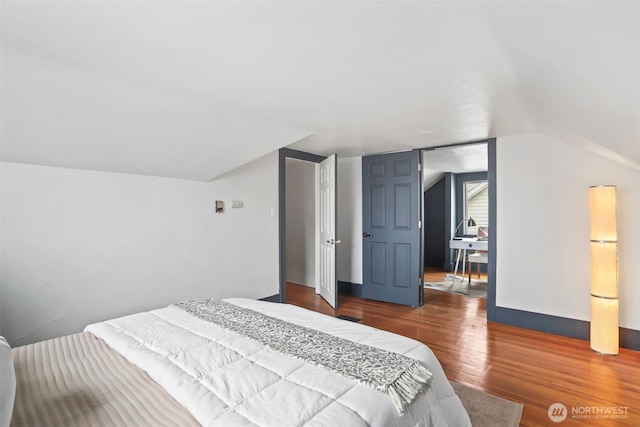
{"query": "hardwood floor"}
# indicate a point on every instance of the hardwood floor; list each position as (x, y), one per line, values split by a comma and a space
(522, 365)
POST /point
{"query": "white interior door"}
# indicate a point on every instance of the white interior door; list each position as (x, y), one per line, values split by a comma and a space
(326, 230)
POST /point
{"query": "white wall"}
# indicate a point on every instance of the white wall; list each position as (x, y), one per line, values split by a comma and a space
(83, 246)
(349, 218)
(300, 222)
(543, 227)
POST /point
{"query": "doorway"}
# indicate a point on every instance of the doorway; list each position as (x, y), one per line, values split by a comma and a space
(459, 202)
(307, 223)
(300, 226)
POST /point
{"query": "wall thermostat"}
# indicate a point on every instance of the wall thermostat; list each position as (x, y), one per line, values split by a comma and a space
(219, 206)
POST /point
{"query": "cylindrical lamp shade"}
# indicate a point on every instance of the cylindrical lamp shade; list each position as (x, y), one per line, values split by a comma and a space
(604, 325)
(602, 200)
(604, 269)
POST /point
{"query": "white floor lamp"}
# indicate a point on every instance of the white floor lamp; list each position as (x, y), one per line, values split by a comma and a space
(604, 269)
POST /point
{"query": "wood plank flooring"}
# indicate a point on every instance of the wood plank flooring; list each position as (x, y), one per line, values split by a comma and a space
(522, 365)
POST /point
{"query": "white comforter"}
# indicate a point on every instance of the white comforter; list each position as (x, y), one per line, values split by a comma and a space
(228, 380)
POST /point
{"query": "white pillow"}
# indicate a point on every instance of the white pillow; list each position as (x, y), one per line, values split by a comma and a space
(7, 383)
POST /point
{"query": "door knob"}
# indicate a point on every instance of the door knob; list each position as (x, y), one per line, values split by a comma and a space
(367, 235)
(333, 242)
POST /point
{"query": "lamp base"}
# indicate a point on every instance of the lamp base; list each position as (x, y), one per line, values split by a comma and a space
(603, 354)
(605, 331)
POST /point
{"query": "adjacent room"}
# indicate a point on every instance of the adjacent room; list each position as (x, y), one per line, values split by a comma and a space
(231, 213)
(456, 193)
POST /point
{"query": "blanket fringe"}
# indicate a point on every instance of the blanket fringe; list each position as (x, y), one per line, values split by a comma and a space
(407, 386)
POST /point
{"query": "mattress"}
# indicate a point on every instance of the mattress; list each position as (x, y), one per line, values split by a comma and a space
(225, 379)
(78, 380)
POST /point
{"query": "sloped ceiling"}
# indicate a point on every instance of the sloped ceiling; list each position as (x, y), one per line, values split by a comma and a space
(456, 159)
(194, 89)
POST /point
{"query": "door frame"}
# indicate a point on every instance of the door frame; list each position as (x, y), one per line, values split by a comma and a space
(283, 154)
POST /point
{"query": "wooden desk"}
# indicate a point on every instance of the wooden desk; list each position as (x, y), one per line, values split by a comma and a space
(462, 245)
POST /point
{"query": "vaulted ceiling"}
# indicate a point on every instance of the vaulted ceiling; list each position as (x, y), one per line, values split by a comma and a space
(193, 89)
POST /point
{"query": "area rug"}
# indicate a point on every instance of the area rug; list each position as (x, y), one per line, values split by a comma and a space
(477, 288)
(487, 410)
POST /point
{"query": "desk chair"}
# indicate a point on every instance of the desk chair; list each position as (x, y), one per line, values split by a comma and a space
(479, 257)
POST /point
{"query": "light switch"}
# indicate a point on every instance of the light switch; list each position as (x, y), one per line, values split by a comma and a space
(236, 204)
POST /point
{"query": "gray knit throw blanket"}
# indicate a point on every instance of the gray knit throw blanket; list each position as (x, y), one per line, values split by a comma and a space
(401, 377)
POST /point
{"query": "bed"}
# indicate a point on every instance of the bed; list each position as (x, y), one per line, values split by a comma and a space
(173, 366)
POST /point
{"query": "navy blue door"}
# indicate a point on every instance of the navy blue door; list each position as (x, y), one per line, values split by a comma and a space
(391, 236)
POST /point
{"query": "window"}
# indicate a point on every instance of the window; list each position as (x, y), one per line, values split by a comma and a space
(476, 204)
(472, 201)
